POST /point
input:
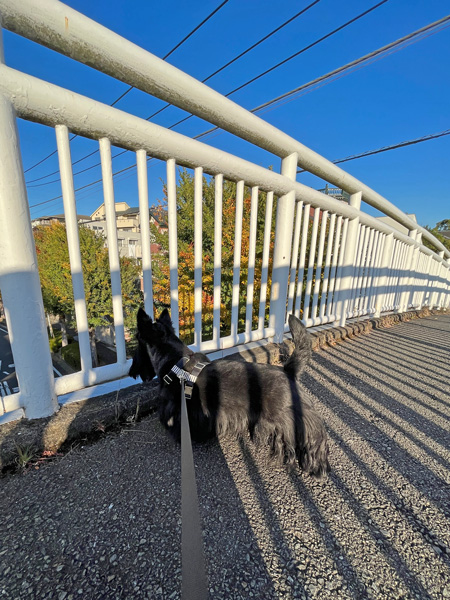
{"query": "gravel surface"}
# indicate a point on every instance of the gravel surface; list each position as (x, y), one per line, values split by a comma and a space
(103, 522)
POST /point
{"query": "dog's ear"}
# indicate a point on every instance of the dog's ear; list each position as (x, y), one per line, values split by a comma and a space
(165, 319)
(143, 320)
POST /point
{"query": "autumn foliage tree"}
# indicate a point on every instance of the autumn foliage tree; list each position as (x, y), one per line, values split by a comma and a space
(185, 227)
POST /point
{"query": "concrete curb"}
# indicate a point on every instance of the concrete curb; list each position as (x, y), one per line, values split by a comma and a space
(89, 419)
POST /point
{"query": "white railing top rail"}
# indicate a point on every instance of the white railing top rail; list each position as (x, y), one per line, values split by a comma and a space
(57, 26)
(48, 104)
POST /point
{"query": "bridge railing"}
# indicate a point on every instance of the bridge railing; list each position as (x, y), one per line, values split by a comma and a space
(325, 260)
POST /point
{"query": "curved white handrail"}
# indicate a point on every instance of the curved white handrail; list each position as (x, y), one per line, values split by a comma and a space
(54, 24)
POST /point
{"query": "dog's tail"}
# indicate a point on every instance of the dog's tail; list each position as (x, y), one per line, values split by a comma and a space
(298, 360)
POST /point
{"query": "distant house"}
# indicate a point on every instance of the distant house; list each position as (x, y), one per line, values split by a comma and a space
(48, 220)
(128, 223)
(335, 193)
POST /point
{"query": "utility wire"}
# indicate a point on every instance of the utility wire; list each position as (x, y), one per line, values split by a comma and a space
(233, 60)
(177, 46)
(425, 138)
(363, 14)
(252, 47)
(131, 87)
(328, 35)
(381, 52)
(361, 62)
(367, 57)
(258, 76)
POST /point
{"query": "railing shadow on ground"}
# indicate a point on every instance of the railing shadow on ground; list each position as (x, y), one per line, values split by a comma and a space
(376, 525)
(419, 475)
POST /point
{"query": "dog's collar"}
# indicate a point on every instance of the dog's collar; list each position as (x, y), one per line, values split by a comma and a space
(188, 377)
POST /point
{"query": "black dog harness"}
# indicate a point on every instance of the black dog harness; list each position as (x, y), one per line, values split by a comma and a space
(188, 377)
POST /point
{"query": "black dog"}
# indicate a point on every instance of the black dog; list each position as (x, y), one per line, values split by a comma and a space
(264, 400)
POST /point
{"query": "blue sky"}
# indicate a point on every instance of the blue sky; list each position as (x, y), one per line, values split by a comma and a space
(403, 96)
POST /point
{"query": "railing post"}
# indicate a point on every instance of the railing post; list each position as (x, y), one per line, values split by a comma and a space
(282, 251)
(19, 277)
(385, 263)
(435, 297)
(345, 276)
(406, 276)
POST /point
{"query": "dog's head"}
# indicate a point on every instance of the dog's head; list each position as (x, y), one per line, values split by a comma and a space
(157, 342)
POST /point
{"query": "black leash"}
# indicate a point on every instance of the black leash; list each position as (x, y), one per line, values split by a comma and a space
(194, 585)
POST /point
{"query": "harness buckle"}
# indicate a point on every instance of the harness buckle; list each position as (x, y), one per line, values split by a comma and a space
(167, 379)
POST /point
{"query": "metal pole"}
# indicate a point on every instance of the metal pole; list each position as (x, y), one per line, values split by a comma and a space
(348, 264)
(19, 277)
(282, 251)
(382, 284)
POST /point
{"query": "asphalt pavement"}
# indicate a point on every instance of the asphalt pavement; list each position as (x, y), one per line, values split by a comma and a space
(104, 520)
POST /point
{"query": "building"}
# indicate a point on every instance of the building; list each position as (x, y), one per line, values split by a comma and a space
(127, 222)
(335, 193)
(128, 225)
(48, 220)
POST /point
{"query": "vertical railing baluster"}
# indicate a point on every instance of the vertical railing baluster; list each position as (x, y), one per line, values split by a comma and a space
(198, 254)
(218, 199)
(251, 261)
(346, 272)
(144, 218)
(282, 250)
(338, 241)
(320, 251)
(326, 272)
(173, 241)
(382, 283)
(237, 260)
(311, 260)
(19, 276)
(73, 244)
(113, 248)
(265, 261)
(294, 257)
(302, 259)
(364, 284)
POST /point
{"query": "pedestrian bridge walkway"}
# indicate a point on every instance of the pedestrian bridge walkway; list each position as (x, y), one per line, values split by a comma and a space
(103, 520)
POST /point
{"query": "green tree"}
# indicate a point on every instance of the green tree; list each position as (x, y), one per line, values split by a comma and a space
(437, 232)
(56, 279)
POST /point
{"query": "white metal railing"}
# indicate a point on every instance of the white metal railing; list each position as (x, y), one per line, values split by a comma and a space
(330, 261)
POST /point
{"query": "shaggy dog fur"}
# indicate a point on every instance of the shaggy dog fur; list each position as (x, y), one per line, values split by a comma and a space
(264, 400)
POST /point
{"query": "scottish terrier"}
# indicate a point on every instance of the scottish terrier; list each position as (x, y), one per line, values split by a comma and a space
(237, 396)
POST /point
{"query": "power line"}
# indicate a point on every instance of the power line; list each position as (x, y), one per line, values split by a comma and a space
(275, 66)
(425, 138)
(267, 71)
(233, 60)
(383, 50)
(131, 87)
(177, 46)
(405, 41)
(328, 35)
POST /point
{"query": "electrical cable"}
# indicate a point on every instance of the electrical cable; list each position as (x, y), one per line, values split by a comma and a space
(132, 87)
(425, 138)
(360, 62)
(379, 53)
(252, 47)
